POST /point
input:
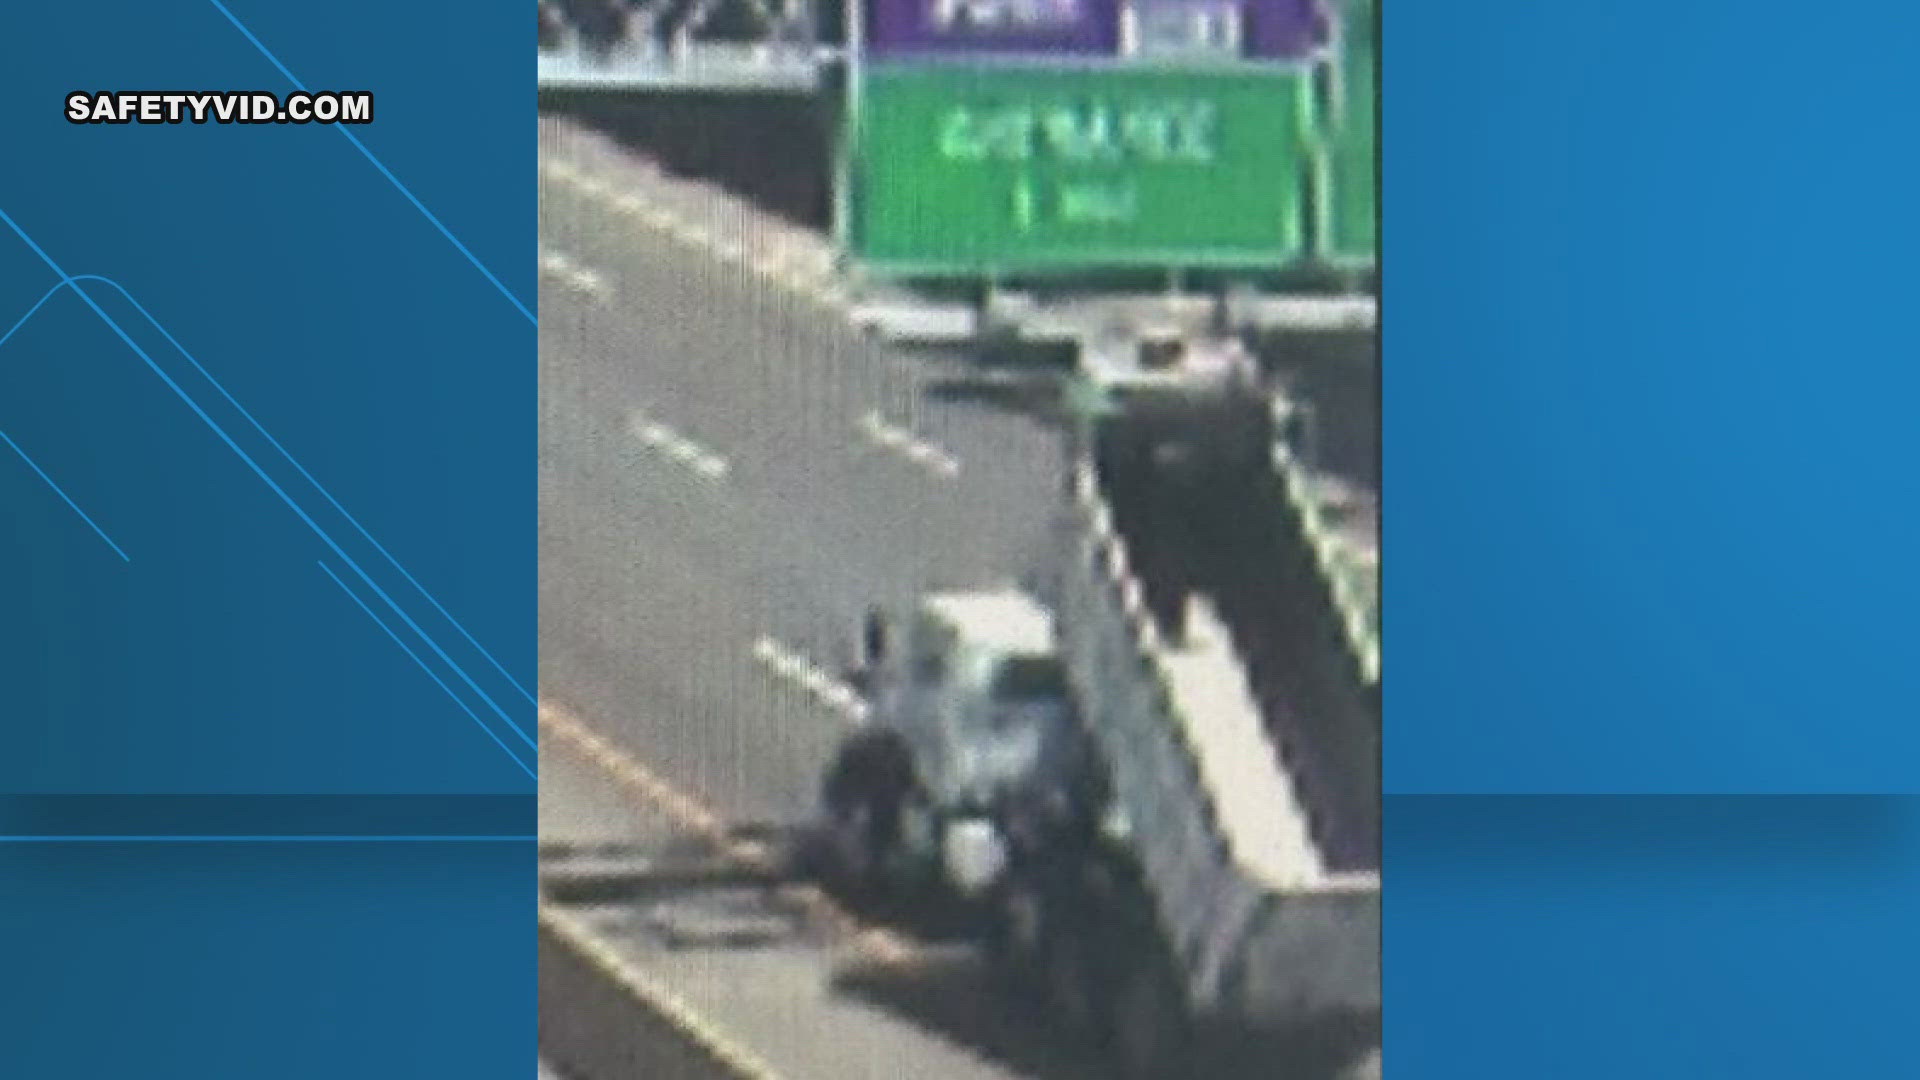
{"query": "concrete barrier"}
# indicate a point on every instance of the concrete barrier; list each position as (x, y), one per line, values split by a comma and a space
(602, 1018)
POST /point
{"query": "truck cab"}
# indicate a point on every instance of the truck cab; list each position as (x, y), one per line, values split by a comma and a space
(971, 750)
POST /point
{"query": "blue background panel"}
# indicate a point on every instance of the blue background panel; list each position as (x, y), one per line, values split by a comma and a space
(1654, 937)
(1648, 398)
(268, 960)
(307, 365)
(278, 276)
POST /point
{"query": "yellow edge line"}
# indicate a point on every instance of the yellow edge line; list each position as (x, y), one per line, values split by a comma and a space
(579, 936)
(876, 943)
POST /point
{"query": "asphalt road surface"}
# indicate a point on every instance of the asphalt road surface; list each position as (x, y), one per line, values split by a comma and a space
(724, 478)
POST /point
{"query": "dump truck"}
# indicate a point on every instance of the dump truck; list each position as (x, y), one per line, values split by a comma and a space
(1147, 911)
(1129, 844)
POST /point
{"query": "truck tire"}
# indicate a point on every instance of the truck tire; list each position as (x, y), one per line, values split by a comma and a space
(865, 795)
(1070, 970)
(1147, 1023)
(1016, 935)
(1144, 1022)
(1037, 943)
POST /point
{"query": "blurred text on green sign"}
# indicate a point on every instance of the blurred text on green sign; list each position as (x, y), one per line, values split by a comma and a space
(1008, 169)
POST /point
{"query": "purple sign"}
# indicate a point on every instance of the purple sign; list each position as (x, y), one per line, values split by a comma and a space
(1285, 29)
(1131, 29)
(1071, 27)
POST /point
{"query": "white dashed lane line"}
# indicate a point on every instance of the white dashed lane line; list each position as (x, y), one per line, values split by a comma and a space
(803, 271)
(572, 275)
(677, 447)
(798, 670)
(908, 445)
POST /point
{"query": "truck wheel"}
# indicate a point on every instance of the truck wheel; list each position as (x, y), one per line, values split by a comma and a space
(864, 797)
(1148, 1023)
(1072, 984)
(859, 864)
(1145, 1023)
(1016, 936)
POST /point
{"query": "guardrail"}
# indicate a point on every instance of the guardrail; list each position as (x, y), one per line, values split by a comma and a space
(689, 66)
(675, 44)
(1351, 571)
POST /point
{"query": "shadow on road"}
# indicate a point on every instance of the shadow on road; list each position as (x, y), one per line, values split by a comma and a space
(957, 997)
(1035, 397)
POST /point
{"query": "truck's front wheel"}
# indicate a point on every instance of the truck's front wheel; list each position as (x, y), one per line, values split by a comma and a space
(1148, 1021)
(1145, 1020)
(1070, 968)
(1016, 934)
(866, 793)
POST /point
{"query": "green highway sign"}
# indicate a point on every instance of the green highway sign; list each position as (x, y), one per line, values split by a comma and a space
(1006, 169)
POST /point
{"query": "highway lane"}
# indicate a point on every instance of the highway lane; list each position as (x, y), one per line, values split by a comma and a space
(791, 386)
(658, 578)
(713, 479)
(648, 614)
